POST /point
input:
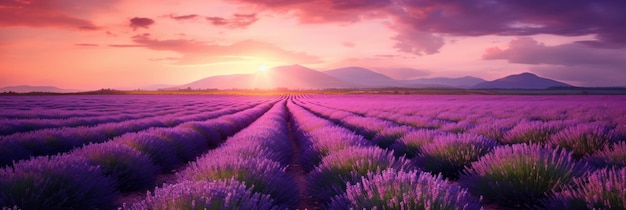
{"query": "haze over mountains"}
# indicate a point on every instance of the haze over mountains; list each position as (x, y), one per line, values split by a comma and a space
(300, 77)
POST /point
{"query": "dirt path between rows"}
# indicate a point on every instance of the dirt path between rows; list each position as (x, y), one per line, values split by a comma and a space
(295, 170)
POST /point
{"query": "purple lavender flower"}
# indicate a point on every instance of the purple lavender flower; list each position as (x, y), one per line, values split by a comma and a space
(348, 166)
(612, 155)
(583, 139)
(222, 194)
(57, 182)
(602, 189)
(411, 143)
(532, 132)
(520, 175)
(388, 136)
(450, 154)
(391, 189)
(131, 169)
(160, 151)
(261, 174)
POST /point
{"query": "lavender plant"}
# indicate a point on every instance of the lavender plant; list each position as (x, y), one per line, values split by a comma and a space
(612, 155)
(222, 195)
(602, 189)
(261, 174)
(411, 143)
(131, 169)
(348, 166)
(450, 154)
(583, 139)
(57, 182)
(388, 136)
(531, 132)
(391, 189)
(520, 175)
(160, 151)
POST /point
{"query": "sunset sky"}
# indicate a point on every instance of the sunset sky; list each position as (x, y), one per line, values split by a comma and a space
(81, 44)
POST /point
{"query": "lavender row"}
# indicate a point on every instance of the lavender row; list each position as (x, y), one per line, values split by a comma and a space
(250, 165)
(583, 138)
(90, 177)
(25, 125)
(52, 141)
(352, 174)
(62, 107)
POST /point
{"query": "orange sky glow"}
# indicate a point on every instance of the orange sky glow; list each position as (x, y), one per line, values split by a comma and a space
(128, 44)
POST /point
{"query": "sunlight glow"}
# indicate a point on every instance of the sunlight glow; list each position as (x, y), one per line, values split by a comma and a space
(262, 68)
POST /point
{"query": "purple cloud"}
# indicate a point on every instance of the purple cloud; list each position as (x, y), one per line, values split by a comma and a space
(237, 21)
(184, 17)
(422, 24)
(140, 22)
(575, 62)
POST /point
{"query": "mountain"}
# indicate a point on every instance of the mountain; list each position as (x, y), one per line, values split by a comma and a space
(292, 77)
(521, 81)
(362, 77)
(462, 82)
(29, 89)
(239, 81)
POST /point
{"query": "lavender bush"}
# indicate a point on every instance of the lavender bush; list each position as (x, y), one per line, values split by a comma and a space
(160, 151)
(388, 136)
(58, 182)
(131, 169)
(348, 166)
(223, 194)
(521, 175)
(612, 155)
(261, 174)
(411, 143)
(450, 154)
(531, 132)
(583, 139)
(602, 189)
(391, 189)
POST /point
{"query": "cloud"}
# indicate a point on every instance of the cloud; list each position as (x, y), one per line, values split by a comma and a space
(42, 13)
(421, 25)
(184, 17)
(574, 62)
(237, 21)
(140, 22)
(323, 11)
(86, 45)
(417, 42)
(196, 52)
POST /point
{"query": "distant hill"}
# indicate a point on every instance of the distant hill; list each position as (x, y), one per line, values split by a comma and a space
(363, 77)
(461, 82)
(30, 89)
(292, 77)
(521, 81)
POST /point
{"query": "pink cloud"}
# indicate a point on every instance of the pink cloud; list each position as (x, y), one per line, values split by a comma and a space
(237, 21)
(140, 22)
(40, 13)
(196, 52)
(323, 11)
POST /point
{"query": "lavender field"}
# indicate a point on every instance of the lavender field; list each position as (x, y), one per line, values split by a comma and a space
(313, 152)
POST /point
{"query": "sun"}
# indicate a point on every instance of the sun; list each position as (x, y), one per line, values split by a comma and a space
(262, 68)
